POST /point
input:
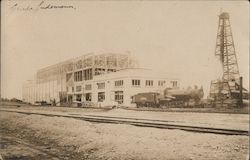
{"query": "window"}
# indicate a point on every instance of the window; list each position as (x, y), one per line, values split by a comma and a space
(88, 87)
(118, 83)
(70, 98)
(68, 76)
(119, 97)
(78, 88)
(88, 96)
(174, 83)
(79, 97)
(78, 76)
(136, 82)
(67, 89)
(149, 82)
(72, 89)
(101, 96)
(111, 70)
(88, 74)
(99, 71)
(101, 85)
(161, 83)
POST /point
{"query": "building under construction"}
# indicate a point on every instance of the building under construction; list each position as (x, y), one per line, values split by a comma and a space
(52, 82)
(228, 90)
(103, 78)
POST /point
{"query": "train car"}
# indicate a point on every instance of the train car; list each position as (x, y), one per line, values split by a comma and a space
(174, 101)
(170, 98)
(184, 97)
(149, 99)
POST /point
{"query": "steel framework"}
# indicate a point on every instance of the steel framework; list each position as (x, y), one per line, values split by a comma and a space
(223, 90)
(51, 82)
(225, 49)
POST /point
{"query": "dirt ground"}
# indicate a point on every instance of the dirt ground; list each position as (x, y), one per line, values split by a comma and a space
(21, 142)
(216, 120)
(34, 136)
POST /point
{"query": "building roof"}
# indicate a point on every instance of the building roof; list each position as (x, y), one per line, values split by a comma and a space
(83, 57)
(136, 72)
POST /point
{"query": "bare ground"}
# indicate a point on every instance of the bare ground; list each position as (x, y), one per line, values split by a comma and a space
(216, 120)
(19, 142)
(65, 138)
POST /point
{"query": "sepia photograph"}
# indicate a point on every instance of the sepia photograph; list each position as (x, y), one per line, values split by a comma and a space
(124, 80)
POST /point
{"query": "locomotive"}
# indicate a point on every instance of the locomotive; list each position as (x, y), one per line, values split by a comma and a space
(169, 98)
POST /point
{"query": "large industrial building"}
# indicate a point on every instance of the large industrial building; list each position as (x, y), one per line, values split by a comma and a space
(104, 79)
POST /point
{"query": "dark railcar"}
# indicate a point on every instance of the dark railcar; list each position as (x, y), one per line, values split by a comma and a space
(171, 98)
(150, 99)
(174, 100)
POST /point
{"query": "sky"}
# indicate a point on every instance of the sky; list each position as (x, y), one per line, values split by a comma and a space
(172, 36)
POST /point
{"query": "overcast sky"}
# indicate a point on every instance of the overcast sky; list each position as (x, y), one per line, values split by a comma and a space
(171, 36)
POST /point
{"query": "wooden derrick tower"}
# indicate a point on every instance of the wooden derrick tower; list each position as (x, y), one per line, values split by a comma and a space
(226, 91)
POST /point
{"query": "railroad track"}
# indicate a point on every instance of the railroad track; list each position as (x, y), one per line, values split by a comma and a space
(139, 122)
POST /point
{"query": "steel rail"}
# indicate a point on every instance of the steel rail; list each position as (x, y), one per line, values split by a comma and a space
(137, 122)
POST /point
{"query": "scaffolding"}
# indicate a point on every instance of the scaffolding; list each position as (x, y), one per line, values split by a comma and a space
(226, 91)
(52, 82)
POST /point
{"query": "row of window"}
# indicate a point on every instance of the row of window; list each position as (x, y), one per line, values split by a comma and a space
(118, 96)
(87, 74)
(101, 97)
(81, 75)
(79, 88)
(135, 82)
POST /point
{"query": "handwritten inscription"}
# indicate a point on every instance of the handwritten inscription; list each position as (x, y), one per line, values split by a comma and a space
(40, 6)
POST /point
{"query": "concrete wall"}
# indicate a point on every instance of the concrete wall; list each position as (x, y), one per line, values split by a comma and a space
(128, 89)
